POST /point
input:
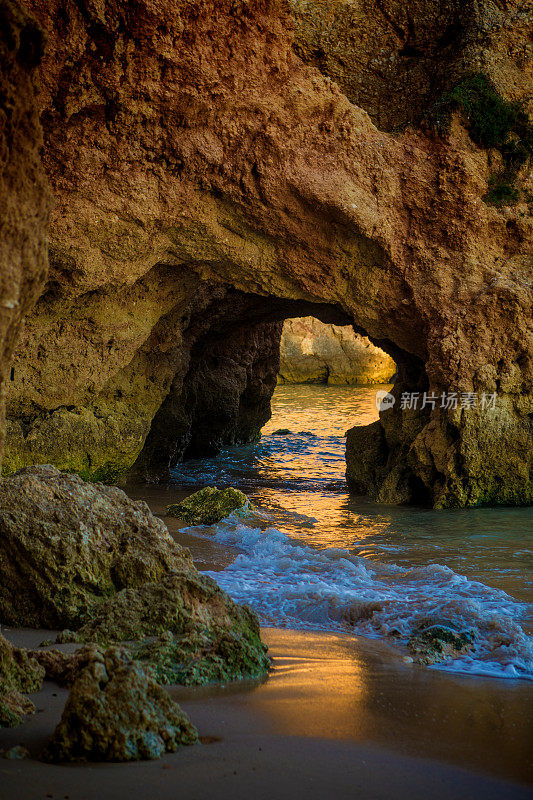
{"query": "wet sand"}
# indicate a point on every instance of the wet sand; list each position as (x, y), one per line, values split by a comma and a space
(337, 718)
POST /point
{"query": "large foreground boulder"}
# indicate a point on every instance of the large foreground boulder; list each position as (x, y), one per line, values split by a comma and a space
(65, 545)
(19, 673)
(117, 712)
(85, 557)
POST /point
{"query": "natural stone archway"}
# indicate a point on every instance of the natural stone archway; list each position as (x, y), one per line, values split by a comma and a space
(193, 155)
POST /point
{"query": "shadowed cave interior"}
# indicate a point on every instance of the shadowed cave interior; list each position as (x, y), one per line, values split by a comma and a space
(224, 398)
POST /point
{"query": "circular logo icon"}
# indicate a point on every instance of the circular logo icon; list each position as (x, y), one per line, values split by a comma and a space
(384, 400)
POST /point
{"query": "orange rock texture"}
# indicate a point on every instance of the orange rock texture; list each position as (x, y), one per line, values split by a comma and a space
(208, 184)
(24, 197)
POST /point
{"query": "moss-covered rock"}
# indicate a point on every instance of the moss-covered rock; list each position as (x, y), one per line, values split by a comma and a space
(201, 658)
(19, 673)
(210, 505)
(437, 643)
(65, 545)
(203, 635)
(86, 556)
(117, 712)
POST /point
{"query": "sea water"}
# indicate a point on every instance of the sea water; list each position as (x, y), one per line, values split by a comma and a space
(311, 556)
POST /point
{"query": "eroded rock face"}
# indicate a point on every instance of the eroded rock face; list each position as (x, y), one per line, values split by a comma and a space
(116, 712)
(24, 195)
(394, 58)
(208, 181)
(19, 674)
(66, 544)
(312, 352)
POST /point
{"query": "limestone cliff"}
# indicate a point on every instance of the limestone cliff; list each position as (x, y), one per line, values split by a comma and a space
(24, 197)
(208, 184)
(394, 57)
(312, 352)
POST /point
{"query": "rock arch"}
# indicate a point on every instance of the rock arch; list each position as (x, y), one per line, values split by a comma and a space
(202, 172)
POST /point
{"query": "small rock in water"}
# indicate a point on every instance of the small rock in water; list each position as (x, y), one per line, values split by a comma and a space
(437, 643)
(281, 432)
(209, 505)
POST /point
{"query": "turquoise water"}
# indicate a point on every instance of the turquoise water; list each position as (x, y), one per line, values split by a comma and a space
(315, 557)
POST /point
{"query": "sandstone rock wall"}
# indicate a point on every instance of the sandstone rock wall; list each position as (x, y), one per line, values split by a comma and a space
(197, 162)
(393, 58)
(24, 196)
(312, 352)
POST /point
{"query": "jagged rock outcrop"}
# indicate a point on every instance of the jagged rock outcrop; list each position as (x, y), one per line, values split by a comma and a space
(24, 196)
(312, 352)
(84, 556)
(19, 674)
(206, 629)
(393, 58)
(116, 712)
(207, 182)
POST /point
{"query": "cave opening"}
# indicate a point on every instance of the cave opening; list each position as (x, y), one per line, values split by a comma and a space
(237, 356)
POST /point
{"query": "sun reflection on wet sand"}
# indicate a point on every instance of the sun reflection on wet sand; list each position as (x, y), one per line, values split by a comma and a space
(334, 687)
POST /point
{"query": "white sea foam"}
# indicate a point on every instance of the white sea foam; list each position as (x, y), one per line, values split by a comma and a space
(292, 585)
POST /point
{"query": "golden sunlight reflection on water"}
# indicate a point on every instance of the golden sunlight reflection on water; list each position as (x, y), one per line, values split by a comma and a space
(295, 473)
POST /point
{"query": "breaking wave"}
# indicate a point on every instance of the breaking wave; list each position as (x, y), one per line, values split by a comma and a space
(290, 584)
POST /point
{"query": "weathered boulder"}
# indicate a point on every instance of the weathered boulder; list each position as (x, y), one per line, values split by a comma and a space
(209, 505)
(203, 657)
(19, 674)
(66, 544)
(203, 635)
(86, 556)
(312, 352)
(117, 712)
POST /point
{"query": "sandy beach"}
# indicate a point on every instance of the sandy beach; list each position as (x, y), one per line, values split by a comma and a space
(337, 718)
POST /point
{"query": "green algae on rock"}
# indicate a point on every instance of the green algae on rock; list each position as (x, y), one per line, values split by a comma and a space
(66, 545)
(117, 712)
(437, 643)
(19, 673)
(204, 636)
(210, 505)
(86, 556)
(200, 658)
